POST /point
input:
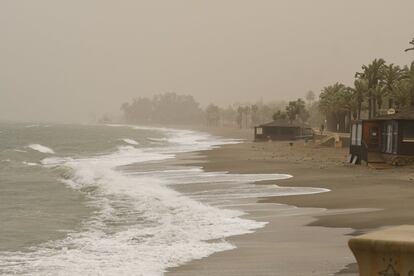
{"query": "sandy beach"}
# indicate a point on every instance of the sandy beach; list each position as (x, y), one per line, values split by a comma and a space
(312, 239)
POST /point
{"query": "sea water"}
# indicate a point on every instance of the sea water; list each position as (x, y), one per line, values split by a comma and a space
(107, 200)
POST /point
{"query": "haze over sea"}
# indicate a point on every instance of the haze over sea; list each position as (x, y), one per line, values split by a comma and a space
(104, 199)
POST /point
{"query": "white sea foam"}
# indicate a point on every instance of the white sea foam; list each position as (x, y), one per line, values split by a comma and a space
(30, 164)
(17, 150)
(143, 226)
(157, 140)
(130, 141)
(41, 148)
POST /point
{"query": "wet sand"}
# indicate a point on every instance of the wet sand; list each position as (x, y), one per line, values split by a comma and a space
(313, 240)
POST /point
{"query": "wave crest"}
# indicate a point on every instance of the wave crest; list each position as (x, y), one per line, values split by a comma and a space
(41, 148)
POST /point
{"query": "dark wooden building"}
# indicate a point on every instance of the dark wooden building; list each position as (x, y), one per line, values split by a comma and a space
(388, 138)
(282, 130)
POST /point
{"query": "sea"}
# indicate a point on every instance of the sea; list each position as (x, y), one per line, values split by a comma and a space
(115, 200)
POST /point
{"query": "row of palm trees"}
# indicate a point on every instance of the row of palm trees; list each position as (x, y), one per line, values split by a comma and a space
(378, 83)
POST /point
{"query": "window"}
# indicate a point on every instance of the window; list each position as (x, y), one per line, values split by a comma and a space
(259, 131)
(390, 132)
(395, 139)
(356, 136)
(408, 132)
(359, 135)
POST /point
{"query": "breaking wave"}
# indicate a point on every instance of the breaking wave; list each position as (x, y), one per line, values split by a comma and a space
(130, 141)
(41, 148)
(143, 226)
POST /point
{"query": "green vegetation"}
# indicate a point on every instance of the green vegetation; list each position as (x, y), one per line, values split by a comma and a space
(174, 109)
(167, 108)
(377, 88)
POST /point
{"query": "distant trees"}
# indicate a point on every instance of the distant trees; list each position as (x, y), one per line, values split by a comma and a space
(212, 115)
(167, 108)
(172, 108)
(249, 115)
(241, 115)
(310, 97)
(279, 115)
(255, 117)
(297, 110)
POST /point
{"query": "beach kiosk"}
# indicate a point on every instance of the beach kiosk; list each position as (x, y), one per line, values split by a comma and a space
(384, 139)
(282, 130)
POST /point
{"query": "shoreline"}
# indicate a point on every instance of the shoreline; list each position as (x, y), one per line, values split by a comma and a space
(360, 200)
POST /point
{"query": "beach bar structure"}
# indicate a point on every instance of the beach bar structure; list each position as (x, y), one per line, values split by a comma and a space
(282, 130)
(385, 139)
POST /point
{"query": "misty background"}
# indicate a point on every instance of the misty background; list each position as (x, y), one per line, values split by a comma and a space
(75, 60)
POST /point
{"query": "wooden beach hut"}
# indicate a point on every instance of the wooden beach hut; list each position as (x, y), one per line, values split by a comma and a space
(282, 130)
(385, 139)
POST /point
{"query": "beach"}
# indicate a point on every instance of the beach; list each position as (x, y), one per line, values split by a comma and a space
(312, 239)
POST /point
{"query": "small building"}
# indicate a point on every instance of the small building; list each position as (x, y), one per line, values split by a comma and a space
(282, 130)
(388, 138)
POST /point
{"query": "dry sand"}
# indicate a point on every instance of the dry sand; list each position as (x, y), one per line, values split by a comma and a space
(310, 240)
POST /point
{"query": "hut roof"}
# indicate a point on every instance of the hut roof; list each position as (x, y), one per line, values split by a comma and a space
(285, 123)
(405, 114)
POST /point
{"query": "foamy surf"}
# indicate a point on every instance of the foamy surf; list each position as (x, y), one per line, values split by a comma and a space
(143, 226)
(30, 164)
(41, 148)
(130, 141)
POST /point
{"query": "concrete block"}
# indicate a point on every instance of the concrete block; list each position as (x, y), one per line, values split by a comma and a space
(388, 252)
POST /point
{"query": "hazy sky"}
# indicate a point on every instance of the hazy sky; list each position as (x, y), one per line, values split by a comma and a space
(72, 60)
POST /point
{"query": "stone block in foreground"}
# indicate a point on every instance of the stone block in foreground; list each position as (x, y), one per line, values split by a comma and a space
(388, 252)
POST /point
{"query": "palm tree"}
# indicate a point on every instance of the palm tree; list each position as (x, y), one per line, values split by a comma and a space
(254, 114)
(403, 92)
(212, 115)
(332, 102)
(239, 117)
(392, 75)
(409, 83)
(279, 115)
(310, 97)
(373, 73)
(378, 94)
(360, 90)
(412, 48)
(350, 102)
(246, 112)
(400, 94)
